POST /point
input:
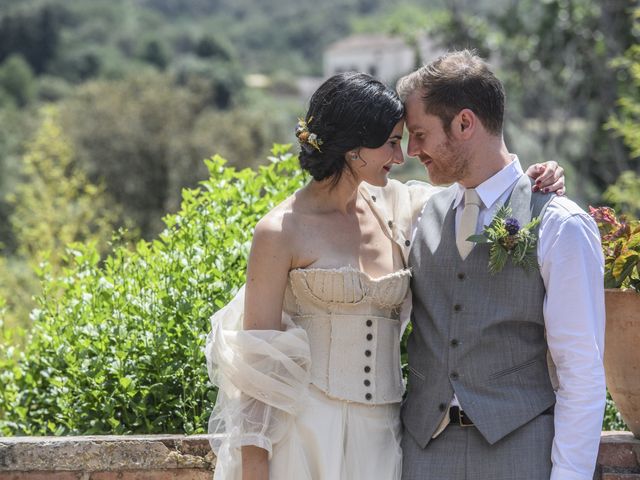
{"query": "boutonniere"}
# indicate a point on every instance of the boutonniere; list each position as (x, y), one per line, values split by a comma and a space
(509, 240)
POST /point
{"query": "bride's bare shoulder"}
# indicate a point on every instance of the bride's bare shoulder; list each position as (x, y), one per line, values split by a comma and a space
(279, 223)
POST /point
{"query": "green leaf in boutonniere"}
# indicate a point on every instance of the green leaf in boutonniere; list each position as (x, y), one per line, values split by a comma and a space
(509, 240)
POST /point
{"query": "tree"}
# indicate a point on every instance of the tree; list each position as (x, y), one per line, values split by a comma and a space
(53, 206)
(555, 56)
(146, 137)
(17, 80)
(625, 122)
(156, 54)
(33, 33)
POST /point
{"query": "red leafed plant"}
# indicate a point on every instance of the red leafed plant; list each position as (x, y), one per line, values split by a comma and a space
(621, 248)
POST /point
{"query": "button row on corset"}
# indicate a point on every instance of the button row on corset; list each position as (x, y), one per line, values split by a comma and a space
(367, 353)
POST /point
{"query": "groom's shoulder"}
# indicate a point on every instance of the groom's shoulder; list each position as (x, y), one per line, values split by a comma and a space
(561, 210)
(563, 207)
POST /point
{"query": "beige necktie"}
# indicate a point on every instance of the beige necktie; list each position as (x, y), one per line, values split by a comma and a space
(468, 221)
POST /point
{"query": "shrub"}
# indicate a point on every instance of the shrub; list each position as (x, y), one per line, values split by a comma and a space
(121, 348)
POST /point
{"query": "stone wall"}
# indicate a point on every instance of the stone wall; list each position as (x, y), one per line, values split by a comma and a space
(176, 457)
(143, 457)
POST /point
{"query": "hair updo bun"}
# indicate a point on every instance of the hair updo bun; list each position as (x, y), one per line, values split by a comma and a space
(349, 110)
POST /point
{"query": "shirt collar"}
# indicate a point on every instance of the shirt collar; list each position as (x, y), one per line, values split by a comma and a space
(492, 189)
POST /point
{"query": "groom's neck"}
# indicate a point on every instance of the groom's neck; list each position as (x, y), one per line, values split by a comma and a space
(486, 158)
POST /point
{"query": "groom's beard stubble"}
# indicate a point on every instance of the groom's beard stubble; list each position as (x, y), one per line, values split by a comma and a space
(449, 164)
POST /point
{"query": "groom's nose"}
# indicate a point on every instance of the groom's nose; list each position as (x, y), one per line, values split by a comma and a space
(412, 147)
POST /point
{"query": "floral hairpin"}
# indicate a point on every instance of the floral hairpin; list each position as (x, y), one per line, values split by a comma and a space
(305, 136)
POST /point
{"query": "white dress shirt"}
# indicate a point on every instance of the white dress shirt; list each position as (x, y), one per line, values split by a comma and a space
(571, 265)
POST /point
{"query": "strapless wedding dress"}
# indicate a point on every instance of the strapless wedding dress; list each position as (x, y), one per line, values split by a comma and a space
(321, 396)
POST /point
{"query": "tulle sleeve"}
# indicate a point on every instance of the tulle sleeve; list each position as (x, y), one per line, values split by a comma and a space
(262, 378)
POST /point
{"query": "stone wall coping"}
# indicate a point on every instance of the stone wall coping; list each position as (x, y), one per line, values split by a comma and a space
(105, 453)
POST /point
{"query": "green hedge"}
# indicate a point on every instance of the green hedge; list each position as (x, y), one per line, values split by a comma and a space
(117, 345)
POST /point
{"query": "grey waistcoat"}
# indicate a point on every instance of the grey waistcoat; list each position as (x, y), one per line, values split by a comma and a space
(475, 334)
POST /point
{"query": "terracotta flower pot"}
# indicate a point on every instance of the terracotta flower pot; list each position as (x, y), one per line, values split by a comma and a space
(622, 354)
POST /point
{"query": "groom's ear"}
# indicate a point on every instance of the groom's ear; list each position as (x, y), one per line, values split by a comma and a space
(464, 124)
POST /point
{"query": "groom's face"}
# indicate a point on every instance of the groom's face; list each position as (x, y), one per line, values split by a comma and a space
(441, 154)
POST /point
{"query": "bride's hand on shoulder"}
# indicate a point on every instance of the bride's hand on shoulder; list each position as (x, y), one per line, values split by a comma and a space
(549, 177)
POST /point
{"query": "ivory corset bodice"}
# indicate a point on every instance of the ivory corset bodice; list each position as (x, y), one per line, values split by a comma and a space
(353, 325)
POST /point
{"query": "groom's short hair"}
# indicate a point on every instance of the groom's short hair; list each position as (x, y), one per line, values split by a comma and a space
(453, 82)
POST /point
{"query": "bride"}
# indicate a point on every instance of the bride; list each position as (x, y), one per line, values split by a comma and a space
(307, 355)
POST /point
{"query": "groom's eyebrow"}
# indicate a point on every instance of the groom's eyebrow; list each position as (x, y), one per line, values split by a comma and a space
(396, 137)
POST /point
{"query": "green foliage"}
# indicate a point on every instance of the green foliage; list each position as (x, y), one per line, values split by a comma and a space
(120, 350)
(144, 136)
(33, 33)
(624, 195)
(53, 205)
(17, 80)
(56, 204)
(612, 418)
(155, 53)
(625, 122)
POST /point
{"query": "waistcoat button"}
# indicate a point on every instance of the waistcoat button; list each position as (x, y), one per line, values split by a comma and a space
(461, 276)
(457, 307)
(367, 369)
(390, 223)
(369, 336)
(367, 353)
(454, 342)
(407, 243)
(368, 396)
(367, 383)
(369, 323)
(373, 197)
(454, 375)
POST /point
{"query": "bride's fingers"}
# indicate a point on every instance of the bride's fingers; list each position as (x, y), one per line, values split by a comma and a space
(556, 187)
(559, 174)
(547, 178)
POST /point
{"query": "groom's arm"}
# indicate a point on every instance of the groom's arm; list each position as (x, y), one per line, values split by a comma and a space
(572, 268)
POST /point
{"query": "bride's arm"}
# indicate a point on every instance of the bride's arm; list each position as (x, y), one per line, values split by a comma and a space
(267, 273)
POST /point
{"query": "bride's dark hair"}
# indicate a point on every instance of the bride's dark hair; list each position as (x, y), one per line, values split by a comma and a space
(349, 110)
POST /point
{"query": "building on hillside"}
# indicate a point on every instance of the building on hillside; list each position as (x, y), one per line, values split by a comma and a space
(381, 56)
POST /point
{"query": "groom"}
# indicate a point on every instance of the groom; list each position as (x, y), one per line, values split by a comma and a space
(480, 403)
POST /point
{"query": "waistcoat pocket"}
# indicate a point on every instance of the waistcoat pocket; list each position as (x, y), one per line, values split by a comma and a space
(416, 373)
(514, 369)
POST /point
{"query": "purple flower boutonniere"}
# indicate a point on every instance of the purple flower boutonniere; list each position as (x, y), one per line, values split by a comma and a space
(509, 240)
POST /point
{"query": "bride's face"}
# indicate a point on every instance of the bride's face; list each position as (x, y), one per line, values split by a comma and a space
(372, 165)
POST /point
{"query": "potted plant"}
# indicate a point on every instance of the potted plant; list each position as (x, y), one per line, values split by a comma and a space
(621, 248)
